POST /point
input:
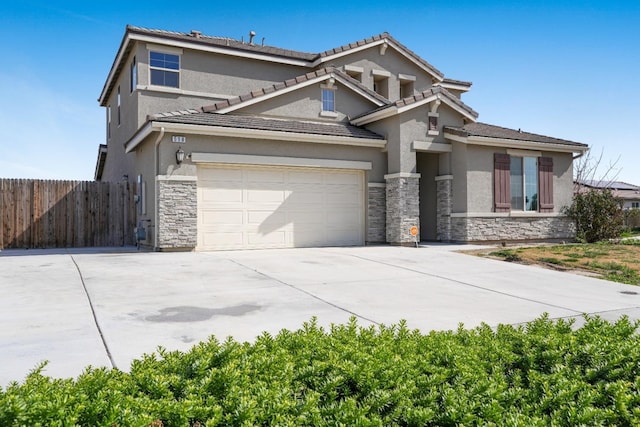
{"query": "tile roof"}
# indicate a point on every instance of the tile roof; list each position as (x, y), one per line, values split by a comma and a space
(615, 185)
(197, 37)
(433, 90)
(289, 83)
(376, 38)
(456, 82)
(492, 131)
(195, 117)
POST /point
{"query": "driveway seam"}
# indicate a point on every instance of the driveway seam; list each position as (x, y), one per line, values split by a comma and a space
(93, 313)
(467, 284)
(304, 292)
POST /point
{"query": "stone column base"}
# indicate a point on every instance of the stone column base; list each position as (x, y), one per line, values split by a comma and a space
(376, 213)
(177, 213)
(403, 207)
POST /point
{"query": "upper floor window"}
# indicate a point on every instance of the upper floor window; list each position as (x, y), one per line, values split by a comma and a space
(119, 115)
(165, 69)
(108, 122)
(134, 75)
(381, 82)
(354, 72)
(328, 100)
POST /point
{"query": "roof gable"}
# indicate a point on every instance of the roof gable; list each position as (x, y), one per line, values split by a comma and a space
(384, 40)
(294, 84)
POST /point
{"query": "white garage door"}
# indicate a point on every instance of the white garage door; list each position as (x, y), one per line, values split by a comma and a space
(252, 207)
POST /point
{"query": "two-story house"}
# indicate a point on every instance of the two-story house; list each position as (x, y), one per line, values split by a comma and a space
(234, 144)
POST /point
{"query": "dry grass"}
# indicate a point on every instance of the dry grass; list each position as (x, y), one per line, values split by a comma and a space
(619, 262)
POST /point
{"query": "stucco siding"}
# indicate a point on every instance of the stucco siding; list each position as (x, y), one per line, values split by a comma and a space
(306, 103)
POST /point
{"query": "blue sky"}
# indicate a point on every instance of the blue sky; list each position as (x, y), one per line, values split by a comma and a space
(565, 69)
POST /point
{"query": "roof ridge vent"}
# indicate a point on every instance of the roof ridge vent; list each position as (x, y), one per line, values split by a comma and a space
(252, 34)
(195, 33)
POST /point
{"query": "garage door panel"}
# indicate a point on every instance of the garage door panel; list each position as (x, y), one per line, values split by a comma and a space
(266, 195)
(222, 240)
(257, 218)
(212, 217)
(209, 176)
(276, 238)
(244, 206)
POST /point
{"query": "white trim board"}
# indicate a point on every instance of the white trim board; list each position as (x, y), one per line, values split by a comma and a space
(244, 159)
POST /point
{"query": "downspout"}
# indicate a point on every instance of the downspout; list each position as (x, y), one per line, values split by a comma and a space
(156, 167)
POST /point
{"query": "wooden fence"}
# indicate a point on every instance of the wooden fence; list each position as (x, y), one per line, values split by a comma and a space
(58, 214)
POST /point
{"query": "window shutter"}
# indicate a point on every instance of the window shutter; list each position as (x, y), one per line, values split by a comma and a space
(501, 182)
(545, 183)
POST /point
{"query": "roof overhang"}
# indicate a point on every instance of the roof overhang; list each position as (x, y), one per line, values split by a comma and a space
(515, 143)
(102, 158)
(454, 86)
(155, 126)
(393, 110)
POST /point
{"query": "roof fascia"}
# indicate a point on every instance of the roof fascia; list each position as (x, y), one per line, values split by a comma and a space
(512, 143)
(295, 87)
(389, 42)
(139, 136)
(454, 86)
(251, 133)
(119, 57)
(102, 152)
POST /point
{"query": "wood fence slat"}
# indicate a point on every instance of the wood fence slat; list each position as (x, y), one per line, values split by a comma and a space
(48, 214)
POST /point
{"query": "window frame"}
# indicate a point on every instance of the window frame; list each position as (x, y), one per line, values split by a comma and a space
(325, 101)
(164, 69)
(133, 75)
(119, 103)
(108, 122)
(526, 178)
(502, 193)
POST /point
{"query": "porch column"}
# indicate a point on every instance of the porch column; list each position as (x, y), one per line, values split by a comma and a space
(177, 213)
(403, 207)
(444, 206)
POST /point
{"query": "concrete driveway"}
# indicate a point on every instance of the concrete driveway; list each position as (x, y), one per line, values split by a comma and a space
(104, 308)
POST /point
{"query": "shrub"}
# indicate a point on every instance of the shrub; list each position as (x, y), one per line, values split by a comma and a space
(598, 215)
(544, 373)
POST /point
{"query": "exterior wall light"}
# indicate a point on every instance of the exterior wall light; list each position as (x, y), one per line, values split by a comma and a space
(179, 155)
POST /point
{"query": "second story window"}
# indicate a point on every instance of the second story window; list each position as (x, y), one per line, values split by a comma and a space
(328, 100)
(134, 75)
(108, 122)
(165, 69)
(119, 115)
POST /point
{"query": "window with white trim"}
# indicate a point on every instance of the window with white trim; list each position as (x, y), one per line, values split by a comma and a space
(328, 100)
(133, 75)
(524, 183)
(635, 205)
(164, 69)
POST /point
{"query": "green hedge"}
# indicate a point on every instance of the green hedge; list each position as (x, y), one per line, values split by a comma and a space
(543, 374)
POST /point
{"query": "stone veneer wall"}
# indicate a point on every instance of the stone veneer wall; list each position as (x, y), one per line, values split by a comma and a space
(377, 213)
(498, 228)
(444, 206)
(403, 207)
(177, 214)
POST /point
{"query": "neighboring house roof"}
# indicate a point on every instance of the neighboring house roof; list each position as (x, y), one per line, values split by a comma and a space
(262, 123)
(425, 97)
(619, 189)
(485, 130)
(614, 185)
(292, 84)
